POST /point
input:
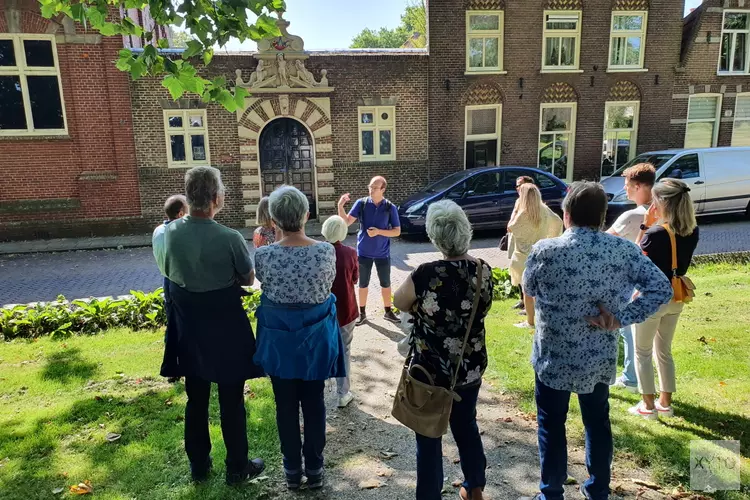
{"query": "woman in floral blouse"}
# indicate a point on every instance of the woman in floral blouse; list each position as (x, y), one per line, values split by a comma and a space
(265, 233)
(440, 295)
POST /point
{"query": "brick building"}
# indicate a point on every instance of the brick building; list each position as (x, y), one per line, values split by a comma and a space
(67, 157)
(576, 87)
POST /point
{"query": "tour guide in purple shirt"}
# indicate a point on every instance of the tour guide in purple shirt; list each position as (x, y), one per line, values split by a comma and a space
(577, 279)
(378, 223)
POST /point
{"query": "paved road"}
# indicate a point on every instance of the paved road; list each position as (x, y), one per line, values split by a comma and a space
(41, 277)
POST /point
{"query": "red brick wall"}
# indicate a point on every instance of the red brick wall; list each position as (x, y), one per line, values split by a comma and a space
(698, 72)
(522, 59)
(100, 139)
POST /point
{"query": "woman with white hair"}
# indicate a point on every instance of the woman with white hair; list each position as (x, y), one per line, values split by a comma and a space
(299, 345)
(440, 296)
(531, 222)
(669, 236)
(347, 274)
(209, 337)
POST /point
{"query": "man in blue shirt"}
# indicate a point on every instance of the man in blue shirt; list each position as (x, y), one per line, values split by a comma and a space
(378, 223)
(577, 279)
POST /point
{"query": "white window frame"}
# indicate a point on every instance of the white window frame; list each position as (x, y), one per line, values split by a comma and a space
(547, 33)
(744, 95)
(628, 34)
(633, 130)
(22, 71)
(716, 120)
(186, 131)
(484, 137)
(734, 44)
(376, 127)
(499, 34)
(571, 143)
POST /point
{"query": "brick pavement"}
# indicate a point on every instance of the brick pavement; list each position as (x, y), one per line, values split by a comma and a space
(39, 277)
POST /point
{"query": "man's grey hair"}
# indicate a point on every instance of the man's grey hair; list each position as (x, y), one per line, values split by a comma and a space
(586, 204)
(288, 208)
(334, 229)
(448, 228)
(202, 187)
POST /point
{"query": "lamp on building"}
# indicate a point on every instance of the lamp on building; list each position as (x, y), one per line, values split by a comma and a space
(447, 85)
(656, 80)
(520, 83)
(592, 81)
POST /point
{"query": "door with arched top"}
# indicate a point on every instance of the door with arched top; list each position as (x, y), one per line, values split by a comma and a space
(286, 157)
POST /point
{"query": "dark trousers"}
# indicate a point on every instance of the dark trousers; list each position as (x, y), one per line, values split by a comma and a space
(290, 395)
(233, 423)
(463, 423)
(167, 302)
(552, 411)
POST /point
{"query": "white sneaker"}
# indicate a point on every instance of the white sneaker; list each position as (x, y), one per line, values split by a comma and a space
(620, 384)
(664, 411)
(345, 400)
(523, 324)
(640, 410)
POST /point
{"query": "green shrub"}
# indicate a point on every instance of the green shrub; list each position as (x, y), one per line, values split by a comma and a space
(138, 311)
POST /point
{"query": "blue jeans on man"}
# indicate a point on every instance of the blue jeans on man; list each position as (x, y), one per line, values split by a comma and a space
(628, 373)
(464, 428)
(552, 411)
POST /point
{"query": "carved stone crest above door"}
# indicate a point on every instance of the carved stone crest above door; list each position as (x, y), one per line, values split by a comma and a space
(281, 66)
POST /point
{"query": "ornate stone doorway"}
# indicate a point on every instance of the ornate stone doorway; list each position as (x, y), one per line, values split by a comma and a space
(286, 157)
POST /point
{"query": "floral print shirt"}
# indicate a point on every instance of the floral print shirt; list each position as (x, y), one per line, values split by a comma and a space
(569, 277)
(445, 295)
(296, 275)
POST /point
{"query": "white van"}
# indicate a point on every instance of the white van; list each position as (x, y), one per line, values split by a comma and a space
(719, 178)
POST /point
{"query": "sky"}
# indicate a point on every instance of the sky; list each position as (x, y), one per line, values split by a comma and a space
(331, 24)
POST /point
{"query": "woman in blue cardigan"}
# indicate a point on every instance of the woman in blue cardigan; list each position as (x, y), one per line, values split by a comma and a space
(299, 344)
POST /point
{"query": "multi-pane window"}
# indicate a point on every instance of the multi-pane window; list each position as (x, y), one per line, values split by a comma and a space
(557, 129)
(484, 41)
(627, 40)
(735, 43)
(187, 137)
(562, 40)
(377, 133)
(30, 98)
(741, 131)
(620, 135)
(482, 135)
(703, 121)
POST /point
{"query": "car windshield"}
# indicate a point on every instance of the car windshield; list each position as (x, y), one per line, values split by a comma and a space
(655, 159)
(447, 182)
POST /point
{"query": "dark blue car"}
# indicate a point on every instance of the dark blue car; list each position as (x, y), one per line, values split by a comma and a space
(486, 194)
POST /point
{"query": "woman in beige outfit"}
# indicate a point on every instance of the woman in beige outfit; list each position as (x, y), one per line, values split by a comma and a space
(531, 221)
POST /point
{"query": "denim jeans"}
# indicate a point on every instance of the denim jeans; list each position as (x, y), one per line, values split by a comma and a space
(552, 411)
(290, 395)
(463, 423)
(628, 371)
(233, 423)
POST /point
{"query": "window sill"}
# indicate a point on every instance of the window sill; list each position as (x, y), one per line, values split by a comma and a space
(481, 73)
(726, 73)
(376, 160)
(547, 70)
(35, 137)
(627, 70)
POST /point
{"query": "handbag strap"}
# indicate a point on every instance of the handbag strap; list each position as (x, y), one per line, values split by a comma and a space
(477, 296)
(673, 242)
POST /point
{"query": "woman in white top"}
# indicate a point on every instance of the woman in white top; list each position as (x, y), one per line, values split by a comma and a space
(531, 222)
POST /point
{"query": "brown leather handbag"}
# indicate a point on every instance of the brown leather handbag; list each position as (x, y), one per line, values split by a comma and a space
(423, 407)
(682, 287)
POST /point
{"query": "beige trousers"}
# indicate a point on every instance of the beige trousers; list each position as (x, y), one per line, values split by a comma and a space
(655, 336)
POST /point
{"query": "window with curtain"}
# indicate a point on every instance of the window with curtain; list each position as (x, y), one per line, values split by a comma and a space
(482, 135)
(557, 127)
(627, 40)
(734, 57)
(741, 130)
(562, 37)
(702, 129)
(620, 135)
(187, 137)
(484, 41)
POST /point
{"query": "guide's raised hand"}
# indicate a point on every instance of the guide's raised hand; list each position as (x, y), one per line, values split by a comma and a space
(344, 199)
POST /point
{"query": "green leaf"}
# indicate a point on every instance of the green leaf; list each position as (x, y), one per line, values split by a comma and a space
(137, 69)
(194, 47)
(95, 17)
(225, 98)
(163, 43)
(207, 56)
(78, 12)
(109, 29)
(239, 96)
(174, 86)
(123, 64)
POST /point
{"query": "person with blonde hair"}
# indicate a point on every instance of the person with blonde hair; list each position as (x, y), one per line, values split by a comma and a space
(670, 221)
(532, 222)
(347, 274)
(265, 233)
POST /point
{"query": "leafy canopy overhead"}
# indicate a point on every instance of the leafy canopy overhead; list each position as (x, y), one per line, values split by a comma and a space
(210, 23)
(413, 20)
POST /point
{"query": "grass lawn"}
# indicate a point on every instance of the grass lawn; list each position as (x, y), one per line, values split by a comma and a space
(60, 399)
(713, 377)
